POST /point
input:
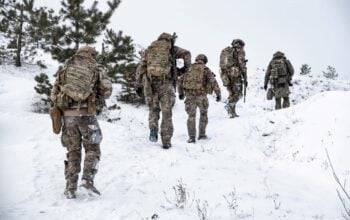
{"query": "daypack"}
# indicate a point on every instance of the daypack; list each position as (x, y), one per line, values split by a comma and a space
(193, 78)
(79, 78)
(158, 58)
(226, 58)
(279, 71)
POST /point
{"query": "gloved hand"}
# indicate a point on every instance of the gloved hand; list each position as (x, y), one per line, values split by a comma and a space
(265, 87)
(290, 83)
(245, 83)
(181, 96)
(139, 91)
(218, 98)
(181, 70)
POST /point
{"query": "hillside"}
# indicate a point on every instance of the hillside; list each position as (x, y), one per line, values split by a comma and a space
(264, 165)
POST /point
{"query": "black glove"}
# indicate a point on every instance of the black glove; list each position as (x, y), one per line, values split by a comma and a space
(181, 70)
(218, 98)
(139, 91)
(290, 83)
(265, 87)
(245, 83)
(181, 96)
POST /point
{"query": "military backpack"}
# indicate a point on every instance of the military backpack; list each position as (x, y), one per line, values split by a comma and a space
(226, 58)
(158, 58)
(77, 80)
(279, 72)
(194, 77)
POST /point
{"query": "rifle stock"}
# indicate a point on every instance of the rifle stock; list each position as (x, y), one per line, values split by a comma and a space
(244, 91)
(173, 60)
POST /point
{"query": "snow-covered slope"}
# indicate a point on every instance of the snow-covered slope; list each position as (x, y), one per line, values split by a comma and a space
(264, 165)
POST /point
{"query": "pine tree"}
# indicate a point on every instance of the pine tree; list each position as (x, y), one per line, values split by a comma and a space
(40, 26)
(118, 55)
(78, 26)
(15, 18)
(43, 88)
(331, 73)
(305, 69)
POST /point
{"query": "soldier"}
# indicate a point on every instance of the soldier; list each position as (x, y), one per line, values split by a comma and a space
(279, 72)
(195, 84)
(157, 79)
(80, 88)
(233, 73)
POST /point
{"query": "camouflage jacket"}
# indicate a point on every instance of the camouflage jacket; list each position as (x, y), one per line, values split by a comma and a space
(290, 69)
(209, 85)
(239, 62)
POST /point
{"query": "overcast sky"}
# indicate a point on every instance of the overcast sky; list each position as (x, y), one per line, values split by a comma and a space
(316, 32)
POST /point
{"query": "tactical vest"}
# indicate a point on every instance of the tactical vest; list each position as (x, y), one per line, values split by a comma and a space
(279, 72)
(226, 58)
(158, 58)
(194, 78)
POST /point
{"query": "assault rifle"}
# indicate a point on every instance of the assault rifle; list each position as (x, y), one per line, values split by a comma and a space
(173, 60)
(245, 84)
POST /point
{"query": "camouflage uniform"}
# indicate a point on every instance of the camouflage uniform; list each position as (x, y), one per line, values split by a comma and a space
(198, 98)
(160, 94)
(280, 83)
(80, 126)
(235, 76)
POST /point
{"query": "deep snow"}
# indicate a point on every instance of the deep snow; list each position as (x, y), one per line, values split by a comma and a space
(269, 164)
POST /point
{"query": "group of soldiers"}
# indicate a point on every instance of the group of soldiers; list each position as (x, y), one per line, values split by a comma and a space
(81, 86)
(156, 78)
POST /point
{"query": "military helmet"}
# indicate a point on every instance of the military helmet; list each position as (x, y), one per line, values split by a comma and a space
(201, 57)
(164, 36)
(87, 50)
(237, 43)
(278, 54)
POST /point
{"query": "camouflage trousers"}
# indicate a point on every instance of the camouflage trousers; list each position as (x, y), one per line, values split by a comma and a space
(78, 131)
(278, 103)
(281, 92)
(191, 104)
(162, 100)
(235, 90)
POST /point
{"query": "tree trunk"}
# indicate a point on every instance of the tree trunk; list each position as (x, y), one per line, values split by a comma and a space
(19, 40)
(77, 28)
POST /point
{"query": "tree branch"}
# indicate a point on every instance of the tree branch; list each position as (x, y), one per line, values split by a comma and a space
(336, 177)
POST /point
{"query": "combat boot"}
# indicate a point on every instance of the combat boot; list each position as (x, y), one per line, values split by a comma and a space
(70, 194)
(233, 112)
(202, 136)
(166, 146)
(191, 140)
(153, 136)
(89, 186)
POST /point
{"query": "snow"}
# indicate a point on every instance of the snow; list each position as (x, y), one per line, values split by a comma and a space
(269, 164)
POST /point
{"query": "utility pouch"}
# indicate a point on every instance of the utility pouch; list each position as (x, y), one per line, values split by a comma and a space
(56, 118)
(269, 94)
(281, 80)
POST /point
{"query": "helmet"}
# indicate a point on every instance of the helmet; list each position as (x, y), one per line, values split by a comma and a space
(164, 36)
(237, 43)
(278, 54)
(87, 50)
(201, 57)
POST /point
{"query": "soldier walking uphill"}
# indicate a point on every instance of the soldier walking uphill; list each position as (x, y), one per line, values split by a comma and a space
(233, 73)
(195, 84)
(80, 88)
(157, 78)
(279, 72)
